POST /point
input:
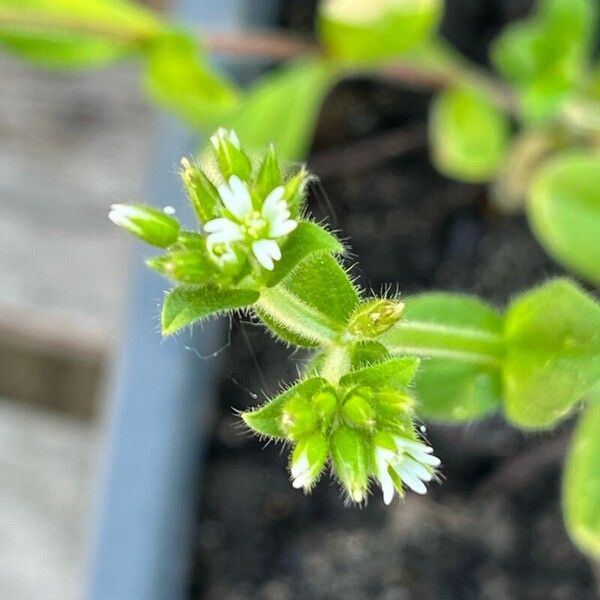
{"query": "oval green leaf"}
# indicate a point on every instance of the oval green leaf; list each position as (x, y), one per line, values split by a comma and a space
(468, 135)
(564, 211)
(581, 483)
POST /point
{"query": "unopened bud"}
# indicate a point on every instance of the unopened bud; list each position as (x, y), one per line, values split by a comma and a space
(298, 418)
(232, 160)
(184, 266)
(375, 317)
(149, 224)
(349, 456)
(308, 460)
(357, 411)
(201, 191)
(325, 403)
(295, 191)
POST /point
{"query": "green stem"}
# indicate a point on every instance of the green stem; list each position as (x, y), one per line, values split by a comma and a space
(336, 363)
(443, 341)
(287, 309)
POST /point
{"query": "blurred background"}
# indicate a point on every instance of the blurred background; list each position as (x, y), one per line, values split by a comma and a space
(72, 145)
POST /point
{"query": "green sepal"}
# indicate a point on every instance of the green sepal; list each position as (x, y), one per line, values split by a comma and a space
(299, 417)
(308, 460)
(349, 455)
(552, 353)
(190, 240)
(231, 158)
(294, 191)
(269, 174)
(185, 266)
(186, 305)
(356, 409)
(201, 191)
(395, 372)
(581, 482)
(307, 239)
(267, 419)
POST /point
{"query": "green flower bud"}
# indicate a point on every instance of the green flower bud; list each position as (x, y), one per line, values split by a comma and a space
(299, 418)
(232, 160)
(374, 317)
(149, 224)
(184, 266)
(325, 403)
(295, 191)
(308, 460)
(357, 411)
(349, 456)
(269, 174)
(201, 191)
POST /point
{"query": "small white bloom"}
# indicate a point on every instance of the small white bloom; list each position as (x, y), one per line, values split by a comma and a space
(410, 461)
(258, 228)
(221, 135)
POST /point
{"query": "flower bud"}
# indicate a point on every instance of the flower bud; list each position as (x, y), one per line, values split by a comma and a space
(325, 403)
(295, 191)
(202, 193)
(184, 266)
(308, 460)
(149, 224)
(298, 418)
(357, 411)
(349, 456)
(374, 317)
(232, 160)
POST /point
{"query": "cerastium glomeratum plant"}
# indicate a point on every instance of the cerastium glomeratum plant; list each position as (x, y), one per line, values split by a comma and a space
(257, 249)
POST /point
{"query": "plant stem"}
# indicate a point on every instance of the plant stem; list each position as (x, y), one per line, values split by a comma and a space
(335, 364)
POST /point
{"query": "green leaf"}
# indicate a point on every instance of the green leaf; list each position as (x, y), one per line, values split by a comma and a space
(459, 338)
(311, 306)
(306, 240)
(581, 483)
(546, 55)
(266, 420)
(395, 372)
(282, 108)
(468, 134)
(180, 78)
(552, 338)
(72, 33)
(365, 30)
(185, 305)
(564, 211)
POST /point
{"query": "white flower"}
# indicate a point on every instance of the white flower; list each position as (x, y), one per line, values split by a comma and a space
(408, 461)
(258, 228)
(221, 135)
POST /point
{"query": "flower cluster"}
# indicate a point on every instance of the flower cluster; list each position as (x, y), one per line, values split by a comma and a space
(364, 433)
(245, 215)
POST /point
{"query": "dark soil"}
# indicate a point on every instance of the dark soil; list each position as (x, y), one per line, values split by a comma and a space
(493, 529)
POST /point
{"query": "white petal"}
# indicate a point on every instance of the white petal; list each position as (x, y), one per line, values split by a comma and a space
(236, 197)
(418, 469)
(234, 139)
(427, 459)
(411, 480)
(271, 207)
(279, 229)
(406, 443)
(223, 230)
(266, 251)
(387, 487)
